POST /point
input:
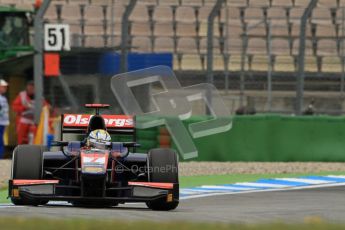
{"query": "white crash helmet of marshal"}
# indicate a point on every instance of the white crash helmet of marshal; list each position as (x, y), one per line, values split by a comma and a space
(98, 138)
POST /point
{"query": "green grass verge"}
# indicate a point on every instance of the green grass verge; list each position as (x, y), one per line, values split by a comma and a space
(191, 181)
(84, 224)
(3, 196)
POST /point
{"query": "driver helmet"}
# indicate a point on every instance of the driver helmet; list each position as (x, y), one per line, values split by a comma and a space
(99, 138)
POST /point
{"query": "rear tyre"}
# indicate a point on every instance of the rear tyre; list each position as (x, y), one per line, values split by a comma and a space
(157, 159)
(27, 163)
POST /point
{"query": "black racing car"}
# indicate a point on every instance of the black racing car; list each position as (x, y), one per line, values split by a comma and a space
(104, 174)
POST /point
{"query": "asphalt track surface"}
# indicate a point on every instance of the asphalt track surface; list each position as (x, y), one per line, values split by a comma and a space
(289, 206)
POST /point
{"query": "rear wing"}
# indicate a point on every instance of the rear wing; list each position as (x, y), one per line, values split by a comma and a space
(116, 124)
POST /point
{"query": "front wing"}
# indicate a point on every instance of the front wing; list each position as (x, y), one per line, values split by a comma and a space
(136, 192)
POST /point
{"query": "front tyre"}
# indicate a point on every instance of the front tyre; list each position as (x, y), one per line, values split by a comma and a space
(158, 159)
(27, 163)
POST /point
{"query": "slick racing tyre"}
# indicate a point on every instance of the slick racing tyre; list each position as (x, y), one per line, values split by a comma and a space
(27, 163)
(157, 159)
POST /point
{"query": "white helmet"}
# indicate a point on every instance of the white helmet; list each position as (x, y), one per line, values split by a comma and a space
(99, 137)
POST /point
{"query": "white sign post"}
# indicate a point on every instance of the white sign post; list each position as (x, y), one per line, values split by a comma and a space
(56, 37)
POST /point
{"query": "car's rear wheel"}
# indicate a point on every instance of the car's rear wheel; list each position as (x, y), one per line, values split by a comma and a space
(27, 162)
(165, 159)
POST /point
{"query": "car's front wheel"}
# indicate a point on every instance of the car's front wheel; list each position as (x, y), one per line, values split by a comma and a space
(165, 159)
(27, 162)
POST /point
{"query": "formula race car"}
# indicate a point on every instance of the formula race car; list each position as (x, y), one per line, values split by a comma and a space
(95, 171)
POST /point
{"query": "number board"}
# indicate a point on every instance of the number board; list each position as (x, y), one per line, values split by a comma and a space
(56, 37)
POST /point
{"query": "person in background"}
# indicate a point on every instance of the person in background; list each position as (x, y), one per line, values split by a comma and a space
(246, 110)
(23, 105)
(4, 117)
(310, 109)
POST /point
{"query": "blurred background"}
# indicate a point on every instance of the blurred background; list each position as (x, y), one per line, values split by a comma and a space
(264, 56)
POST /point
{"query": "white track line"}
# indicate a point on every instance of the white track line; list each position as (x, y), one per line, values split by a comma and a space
(307, 181)
(226, 187)
(8, 206)
(198, 191)
(183, 191)
(335, 176)
(264, 185)
(266, 190)
(59, 203)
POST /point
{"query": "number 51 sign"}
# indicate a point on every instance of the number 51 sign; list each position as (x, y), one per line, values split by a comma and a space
(56, 37)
